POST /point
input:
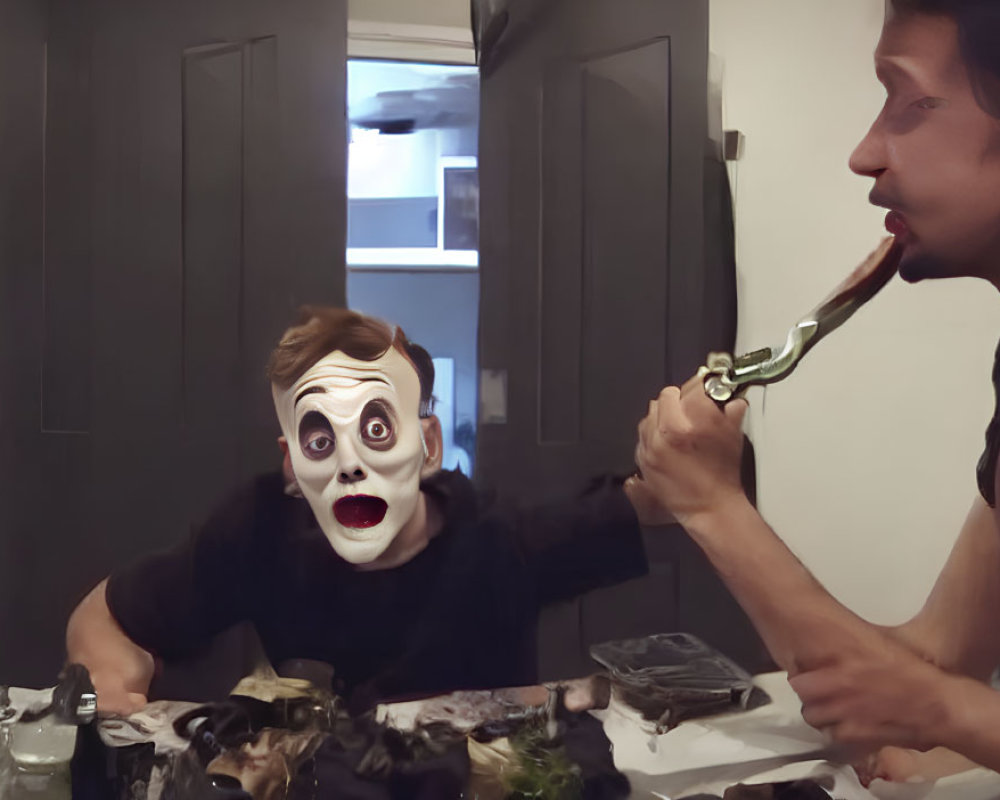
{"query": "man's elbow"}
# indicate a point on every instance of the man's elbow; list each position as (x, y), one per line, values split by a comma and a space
(87, 620)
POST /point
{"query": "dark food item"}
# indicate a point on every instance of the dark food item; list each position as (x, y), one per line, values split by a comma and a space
(255, 740)
(588, 747)
(345, 757)
(671, 677)
(804, 789)
(561, 755)
(73, 699)
(364, 760)
(227, 786)
(468, 710)
(241, 747)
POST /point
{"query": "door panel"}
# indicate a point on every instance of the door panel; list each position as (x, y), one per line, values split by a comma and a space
(581, 175)
(22, 114)
(211, 278)
(593, 279)
(194, 196)
(625, 222)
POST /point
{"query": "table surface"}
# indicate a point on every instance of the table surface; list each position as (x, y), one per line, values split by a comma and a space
(769, 743)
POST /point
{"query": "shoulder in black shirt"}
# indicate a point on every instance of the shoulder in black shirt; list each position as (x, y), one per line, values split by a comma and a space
(461, 614)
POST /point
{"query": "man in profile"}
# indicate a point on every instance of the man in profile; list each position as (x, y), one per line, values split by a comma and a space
(934, 155)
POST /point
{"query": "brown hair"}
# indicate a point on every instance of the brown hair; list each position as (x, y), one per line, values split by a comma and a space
(319, 330)
(978, 40)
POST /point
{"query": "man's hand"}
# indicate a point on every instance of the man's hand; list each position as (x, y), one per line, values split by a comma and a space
(882, 695)
(648, 509)
(899, 765)
(113, 695)
(688, 453)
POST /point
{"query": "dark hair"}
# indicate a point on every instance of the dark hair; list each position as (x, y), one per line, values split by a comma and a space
(978, 40)
(320, 330)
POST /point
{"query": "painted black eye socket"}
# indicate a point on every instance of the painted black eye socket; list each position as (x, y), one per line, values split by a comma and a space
(378, 429)
(316, 437)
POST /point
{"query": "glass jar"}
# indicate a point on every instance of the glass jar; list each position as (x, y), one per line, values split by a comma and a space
(40, 750)
(6, 761)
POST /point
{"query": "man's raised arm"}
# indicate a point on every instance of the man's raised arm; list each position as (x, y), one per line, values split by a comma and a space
(689, 457)
(120, 670)
(864, 684)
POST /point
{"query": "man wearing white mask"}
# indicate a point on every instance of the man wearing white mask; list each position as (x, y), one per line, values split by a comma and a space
(358, 451)
(392, 571)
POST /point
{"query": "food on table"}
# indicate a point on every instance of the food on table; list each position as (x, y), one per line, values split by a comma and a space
(467, 710)
(280, 739)
(671, 677)
(803, 789)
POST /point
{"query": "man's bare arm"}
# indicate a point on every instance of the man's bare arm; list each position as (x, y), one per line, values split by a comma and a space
(689, 455)
(865, 685)
(120, 670)
(862, 684)
(801, 624)
(957, 628)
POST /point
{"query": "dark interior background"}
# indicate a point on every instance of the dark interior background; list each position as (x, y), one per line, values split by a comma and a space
(172, 186)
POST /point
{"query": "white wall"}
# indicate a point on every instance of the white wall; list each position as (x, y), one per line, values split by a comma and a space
(866, 455)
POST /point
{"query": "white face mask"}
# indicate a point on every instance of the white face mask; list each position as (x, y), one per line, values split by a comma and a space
(356, 443)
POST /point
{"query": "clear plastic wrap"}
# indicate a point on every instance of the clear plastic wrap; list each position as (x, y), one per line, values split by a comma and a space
(670, 677)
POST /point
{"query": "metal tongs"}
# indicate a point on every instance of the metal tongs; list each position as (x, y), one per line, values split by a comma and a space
(725, 375)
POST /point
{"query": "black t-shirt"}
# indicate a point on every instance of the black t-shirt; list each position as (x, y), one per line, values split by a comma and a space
(986, 469)
(461, 614)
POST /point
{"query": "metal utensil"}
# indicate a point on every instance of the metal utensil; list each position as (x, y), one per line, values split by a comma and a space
(724, 375)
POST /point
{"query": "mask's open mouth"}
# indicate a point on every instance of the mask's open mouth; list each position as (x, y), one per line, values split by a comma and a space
(360, 511)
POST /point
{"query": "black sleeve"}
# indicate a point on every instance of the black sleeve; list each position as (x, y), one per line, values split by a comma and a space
(171, 603)
(592, 541)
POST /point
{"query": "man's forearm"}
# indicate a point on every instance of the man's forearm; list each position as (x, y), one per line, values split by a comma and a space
(956, 628)
(866, 686)
(801, 624)
(120, 669)
(973, 722)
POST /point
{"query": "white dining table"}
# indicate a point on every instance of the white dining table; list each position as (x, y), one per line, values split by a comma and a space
(768, 743)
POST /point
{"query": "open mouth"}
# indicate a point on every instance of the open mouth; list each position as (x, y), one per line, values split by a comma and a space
(360, 511)
(895, 223)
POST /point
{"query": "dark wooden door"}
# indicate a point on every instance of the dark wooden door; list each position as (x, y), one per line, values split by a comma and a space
(22, 48)
(600, 282)
(193, 183)
(593, 137)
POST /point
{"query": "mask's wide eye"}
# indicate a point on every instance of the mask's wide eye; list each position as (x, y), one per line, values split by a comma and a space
(377, 428)
(316, 437)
